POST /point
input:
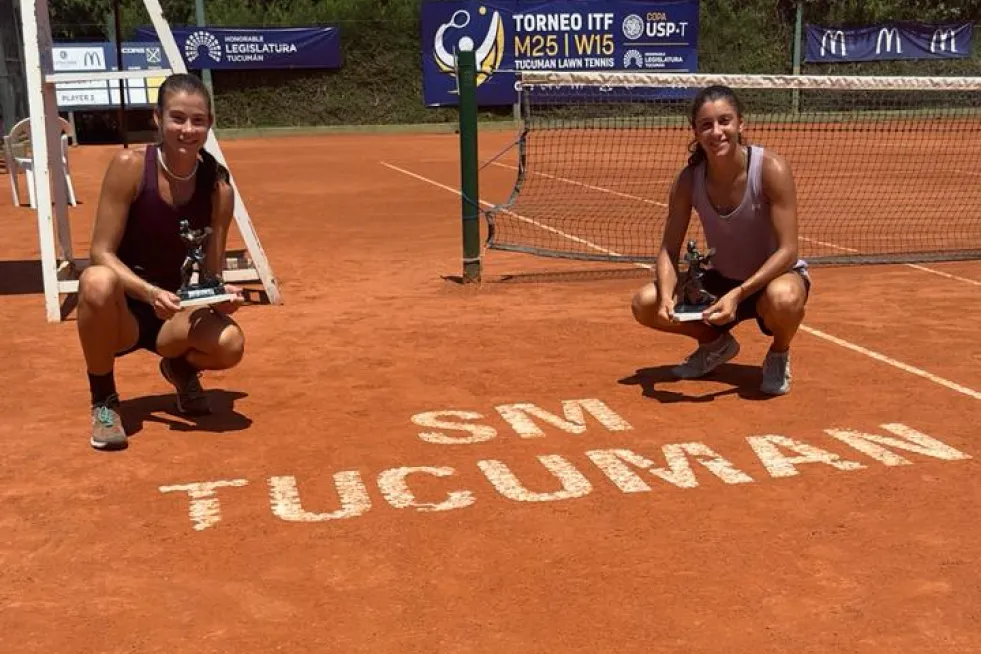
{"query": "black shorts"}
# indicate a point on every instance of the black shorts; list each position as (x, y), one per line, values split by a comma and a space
(148, 325)
(718, 285)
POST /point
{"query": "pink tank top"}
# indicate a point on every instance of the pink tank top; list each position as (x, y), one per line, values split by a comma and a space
(743, 239)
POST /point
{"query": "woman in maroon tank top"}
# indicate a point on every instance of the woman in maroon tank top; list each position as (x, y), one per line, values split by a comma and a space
(126, 298)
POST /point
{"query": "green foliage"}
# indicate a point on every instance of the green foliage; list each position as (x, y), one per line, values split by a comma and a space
(743, 36)
(381, 80)
(858, 12)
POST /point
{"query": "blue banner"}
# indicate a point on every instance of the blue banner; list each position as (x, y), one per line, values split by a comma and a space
(227, 48)
(888, 41)
(564, 35)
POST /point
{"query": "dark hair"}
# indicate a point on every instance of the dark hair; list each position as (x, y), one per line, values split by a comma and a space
(709, 94)
(211, 172)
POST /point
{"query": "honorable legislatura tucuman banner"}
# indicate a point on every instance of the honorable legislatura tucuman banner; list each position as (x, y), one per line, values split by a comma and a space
(233, 48)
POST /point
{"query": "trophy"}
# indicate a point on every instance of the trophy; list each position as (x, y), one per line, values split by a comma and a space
(208, 288)
(693, 299)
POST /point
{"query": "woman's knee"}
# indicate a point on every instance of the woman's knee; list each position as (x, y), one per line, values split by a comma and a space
(784, 298)
(644, 306)
(98, 287)
(231, 346)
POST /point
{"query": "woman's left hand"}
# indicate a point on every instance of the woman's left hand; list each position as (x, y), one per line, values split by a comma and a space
(231, 306)
(724, 309)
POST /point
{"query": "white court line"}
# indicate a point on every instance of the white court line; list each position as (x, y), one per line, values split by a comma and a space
(828, 245)
(589, 186)
(914, 266)
(944, 274)
(893, 362)
(581, 241)
(872, 354)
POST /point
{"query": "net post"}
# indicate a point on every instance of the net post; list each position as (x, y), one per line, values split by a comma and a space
(467, 86)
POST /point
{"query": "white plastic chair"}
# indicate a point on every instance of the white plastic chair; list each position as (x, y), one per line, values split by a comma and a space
(19, 157)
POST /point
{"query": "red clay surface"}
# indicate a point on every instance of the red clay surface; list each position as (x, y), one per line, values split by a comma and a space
(845, 558)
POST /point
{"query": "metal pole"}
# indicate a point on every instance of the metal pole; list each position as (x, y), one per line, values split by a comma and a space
(19, 73)
(13, 84)
(7, 118)
(798, 24)
(467, 86)
(117, 21)
(205, 72)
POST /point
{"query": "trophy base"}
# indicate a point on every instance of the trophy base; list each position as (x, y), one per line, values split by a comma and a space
(197, 297)
(689, 312)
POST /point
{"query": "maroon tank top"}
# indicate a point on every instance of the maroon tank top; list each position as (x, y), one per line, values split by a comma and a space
(151, 245)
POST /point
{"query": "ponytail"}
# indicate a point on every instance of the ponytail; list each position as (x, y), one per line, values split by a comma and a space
(211, 172)
(697, 154)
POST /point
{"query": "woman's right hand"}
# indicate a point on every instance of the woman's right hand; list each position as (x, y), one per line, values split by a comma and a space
(665, 310)
(165, 304)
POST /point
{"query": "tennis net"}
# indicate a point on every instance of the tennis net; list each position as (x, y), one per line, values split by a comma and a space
(886, 168)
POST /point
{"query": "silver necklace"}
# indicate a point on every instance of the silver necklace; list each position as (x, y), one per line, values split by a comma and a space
(179, 178)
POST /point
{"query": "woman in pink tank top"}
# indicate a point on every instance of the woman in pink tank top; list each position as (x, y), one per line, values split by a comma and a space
(127, 298)
(746, 201)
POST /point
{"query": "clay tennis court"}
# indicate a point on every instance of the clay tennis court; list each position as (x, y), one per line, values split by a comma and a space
(405, 464)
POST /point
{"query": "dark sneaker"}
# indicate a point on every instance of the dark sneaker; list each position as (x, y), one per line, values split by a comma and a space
(707, 357)
(191, 400)
(107, 426)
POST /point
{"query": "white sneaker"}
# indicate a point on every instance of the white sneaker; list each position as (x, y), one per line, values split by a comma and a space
(776, 373)
(707, 357)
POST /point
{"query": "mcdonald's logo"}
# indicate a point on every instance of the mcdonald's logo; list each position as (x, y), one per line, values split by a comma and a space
(833, 39)
(92, 59)
(940, 38)
(887, 34)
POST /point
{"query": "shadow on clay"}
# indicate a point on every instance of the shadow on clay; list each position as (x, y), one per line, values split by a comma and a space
(659, 384)
(162, 409)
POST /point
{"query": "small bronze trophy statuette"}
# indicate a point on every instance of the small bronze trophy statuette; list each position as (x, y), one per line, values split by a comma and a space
(208, 288)
(693, 299)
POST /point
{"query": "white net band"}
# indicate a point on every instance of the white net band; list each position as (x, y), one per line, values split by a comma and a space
(776, 82)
